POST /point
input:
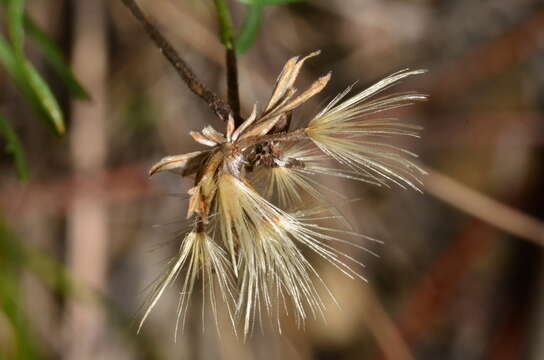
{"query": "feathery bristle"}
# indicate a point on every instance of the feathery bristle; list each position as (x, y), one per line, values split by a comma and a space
(287, 185)
(294, 175)
(267, 257)
(199, 258)
(269, 263)
(273, 273)
(341, 131)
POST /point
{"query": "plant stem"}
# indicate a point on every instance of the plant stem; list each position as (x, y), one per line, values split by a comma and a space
(218, 105)
(232, 85)
(226, 30)
(227, 36)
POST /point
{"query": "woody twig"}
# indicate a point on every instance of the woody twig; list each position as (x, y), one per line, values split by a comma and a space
(218, 105)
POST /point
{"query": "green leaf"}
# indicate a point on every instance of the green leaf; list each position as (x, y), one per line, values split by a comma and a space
(12, 262)
(226, 29)
(250, 29)
(252, 22)
(8, 59)
(268, 2)
(28, 81)
(53, 55)
(10, 301)
(16, 10)
(45, 96)
(36, 85)
(14, 147)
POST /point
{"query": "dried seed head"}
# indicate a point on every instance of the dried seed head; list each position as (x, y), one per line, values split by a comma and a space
(249, 241)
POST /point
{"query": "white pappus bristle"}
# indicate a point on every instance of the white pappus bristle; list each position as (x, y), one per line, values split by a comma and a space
(343, 131)
(199, 259)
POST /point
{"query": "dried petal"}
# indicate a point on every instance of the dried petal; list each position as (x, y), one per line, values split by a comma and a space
(201, 139)
(230, 127)
(175, 162)
(287, 78)
(250, 120)
(213, 134)
(316, 88)
(266, 122)
(269, 120)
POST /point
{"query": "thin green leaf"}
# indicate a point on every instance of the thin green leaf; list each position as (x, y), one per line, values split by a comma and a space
(226, 29)
(53, 55)
(250, 29)
(10, 301)
(36, 83)
(8, 59)
(14, 147)
(16, 10)
(46, 97)
(12, 261)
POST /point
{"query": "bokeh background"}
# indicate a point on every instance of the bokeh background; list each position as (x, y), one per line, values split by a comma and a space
(460, 274)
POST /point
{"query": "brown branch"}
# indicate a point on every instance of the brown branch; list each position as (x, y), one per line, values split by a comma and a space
(484, 208)
(218, 105)
(386, 333)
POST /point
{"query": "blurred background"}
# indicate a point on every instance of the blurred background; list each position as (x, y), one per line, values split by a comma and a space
(460, 274)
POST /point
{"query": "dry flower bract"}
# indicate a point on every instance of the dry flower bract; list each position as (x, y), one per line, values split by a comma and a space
(247, 206)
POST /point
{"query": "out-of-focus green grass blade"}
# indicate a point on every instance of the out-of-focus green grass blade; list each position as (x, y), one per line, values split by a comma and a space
(8, 60)
(226, 29)
(14, 147)
(7, 57)
(16, 10)
(250, 29)
(46, 97)
(35, 83)
(12, 260)
(9, 305)
(53, 55)
(252, 23)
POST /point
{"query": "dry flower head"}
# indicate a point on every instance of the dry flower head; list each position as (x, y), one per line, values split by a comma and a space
(246, 241)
